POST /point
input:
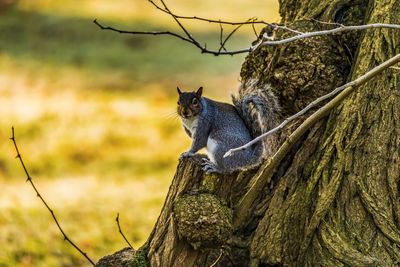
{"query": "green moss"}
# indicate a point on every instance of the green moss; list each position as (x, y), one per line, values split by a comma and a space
(209, 183)
(140, 258)
(202, 220)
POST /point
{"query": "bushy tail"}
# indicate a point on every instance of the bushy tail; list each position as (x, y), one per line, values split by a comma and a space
(260, 110)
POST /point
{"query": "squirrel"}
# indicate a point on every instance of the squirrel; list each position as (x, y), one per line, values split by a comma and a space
(221, 126)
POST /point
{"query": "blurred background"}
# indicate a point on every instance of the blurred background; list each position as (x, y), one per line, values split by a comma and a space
(94, 115)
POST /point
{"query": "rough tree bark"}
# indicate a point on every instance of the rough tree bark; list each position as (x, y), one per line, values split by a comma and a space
(335, 198)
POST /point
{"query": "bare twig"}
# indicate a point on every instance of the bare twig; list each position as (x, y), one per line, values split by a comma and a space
(194, 41)
(120, 231)
(266, 40)
(203, 48)
(142, 32)
(29, 179)
(328, 23)
(217, 260)
(251, 21)
(339, 29)
(187, 37)
(243, 209)
(228, 37)
(180, 25)
(355, 83)
(286, 28)
(221, 33)
(254, 30)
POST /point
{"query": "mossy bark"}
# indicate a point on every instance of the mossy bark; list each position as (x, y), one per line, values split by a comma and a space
(195, 225)
(335, 199)
(337, 204)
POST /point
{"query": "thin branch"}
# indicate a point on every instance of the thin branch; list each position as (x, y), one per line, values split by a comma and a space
(194, 41)
(360, 80)
(142, 32)
(217, 260)
(221, 33)
(286, 28)
(29, 179)
(251, 21)
(266, 40)
(340, 29)
(328, 23)
(248, 22)
(254, 30)
(187, 37)
(203, 49)
(120, 231)
(180, 25)
(243, 209)
(228, 37)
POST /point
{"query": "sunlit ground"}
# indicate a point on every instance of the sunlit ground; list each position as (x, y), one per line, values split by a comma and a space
(94, 118)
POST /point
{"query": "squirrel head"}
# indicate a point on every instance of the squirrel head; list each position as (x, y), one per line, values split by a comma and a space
(189, 103)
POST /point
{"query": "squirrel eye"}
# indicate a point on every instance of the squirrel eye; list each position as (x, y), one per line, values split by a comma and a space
(195, 101)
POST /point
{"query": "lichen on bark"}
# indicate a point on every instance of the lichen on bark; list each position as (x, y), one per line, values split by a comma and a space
(126, 257)
(203, 220)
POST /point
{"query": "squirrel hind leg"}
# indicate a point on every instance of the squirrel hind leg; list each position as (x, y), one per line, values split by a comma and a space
(209, 167)
(241, 161)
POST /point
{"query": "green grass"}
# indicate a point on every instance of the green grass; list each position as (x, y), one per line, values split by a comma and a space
(78, 44)
(94, 118)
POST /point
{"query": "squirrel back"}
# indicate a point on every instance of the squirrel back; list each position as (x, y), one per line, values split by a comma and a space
(260, 110)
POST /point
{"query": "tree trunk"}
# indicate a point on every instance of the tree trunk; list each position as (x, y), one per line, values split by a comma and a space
(337, 204)
(334, 199)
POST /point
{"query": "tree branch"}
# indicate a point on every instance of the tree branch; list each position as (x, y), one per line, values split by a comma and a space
(142, 32)
(266, 40)
(228, 37)
(29, 179)
(120, 231)
(251, 21)
(353, 84)
(187, 37)
(203, 48)
(337, 30)
(194, 41)
(221, 33)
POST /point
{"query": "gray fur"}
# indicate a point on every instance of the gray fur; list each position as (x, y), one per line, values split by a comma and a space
(219, 127)
(260, 110)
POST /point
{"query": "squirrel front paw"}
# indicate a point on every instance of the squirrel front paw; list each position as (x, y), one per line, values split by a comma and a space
(208, 166)
(186, 154)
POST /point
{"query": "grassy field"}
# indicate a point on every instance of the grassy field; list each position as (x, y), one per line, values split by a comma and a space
(94, 114)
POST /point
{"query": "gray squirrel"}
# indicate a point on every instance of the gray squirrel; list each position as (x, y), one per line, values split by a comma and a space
(221, 126)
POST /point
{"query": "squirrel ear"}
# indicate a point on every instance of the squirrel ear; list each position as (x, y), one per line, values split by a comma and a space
(179, 90)
(199, 91)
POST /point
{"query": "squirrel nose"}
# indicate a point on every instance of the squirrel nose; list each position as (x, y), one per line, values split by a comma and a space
(185, 113)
